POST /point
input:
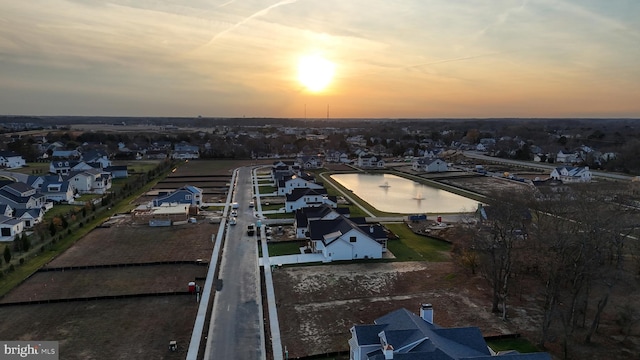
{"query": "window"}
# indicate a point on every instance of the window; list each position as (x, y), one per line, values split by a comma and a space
(352, 239)
(187, 197)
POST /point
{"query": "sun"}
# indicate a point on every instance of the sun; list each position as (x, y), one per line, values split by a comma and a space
(315, 72)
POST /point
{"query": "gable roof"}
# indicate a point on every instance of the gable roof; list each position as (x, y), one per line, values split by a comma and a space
(411, 337)
(301, 192)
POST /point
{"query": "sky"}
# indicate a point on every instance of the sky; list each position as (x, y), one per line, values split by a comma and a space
(391, 58)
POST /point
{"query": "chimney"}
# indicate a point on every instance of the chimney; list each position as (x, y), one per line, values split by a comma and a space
(426, 313)
(388, 352)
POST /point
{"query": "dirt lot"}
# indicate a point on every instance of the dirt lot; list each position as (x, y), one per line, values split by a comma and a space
(317, 305)
(138, 328)
(125, 243)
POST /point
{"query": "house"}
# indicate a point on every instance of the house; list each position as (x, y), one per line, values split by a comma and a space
(10, 228)
(569, 174)
(55, 189)
(21, 196)
(343, 239)
(184, 151)
(429, 165)
(9, 159)
(370, 161)
(185, 195)
(64, 167)
(567, 158)
(93, 181)
(30, 217)
(6, 210)
(323, 212)
(285, 186)
(118, 171)
(301, 198)
(65, 154)
(310, 161)
(337, 157)
(97, 156)
(402, 334)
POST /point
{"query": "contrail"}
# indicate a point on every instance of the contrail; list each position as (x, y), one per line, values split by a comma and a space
(249, 18)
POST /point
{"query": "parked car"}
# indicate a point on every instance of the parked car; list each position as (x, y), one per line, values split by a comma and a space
(233, 221)
(251, 229)
(234, 213)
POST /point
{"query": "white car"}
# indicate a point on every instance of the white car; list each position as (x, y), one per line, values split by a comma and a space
(233, 221)
(234, 213)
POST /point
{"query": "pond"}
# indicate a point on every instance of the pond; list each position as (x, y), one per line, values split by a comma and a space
(394, 194)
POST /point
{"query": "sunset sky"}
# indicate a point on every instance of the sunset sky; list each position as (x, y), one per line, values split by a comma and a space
(392, 58)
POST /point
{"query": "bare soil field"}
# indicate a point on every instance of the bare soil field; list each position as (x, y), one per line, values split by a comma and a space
(136, 328)
(125, 244)
(485, 185)
(79, 283)
(317, 305)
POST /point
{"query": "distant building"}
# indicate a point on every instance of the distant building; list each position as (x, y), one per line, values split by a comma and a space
(429, 165)
(569, 174)
(10, 159)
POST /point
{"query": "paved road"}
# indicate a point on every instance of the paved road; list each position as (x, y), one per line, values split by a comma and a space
(236, 322)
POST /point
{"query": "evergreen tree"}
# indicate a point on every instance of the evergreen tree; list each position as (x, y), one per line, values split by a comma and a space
(26, 244)
(7, 254)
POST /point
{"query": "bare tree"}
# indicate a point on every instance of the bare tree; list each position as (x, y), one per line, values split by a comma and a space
(498, 243)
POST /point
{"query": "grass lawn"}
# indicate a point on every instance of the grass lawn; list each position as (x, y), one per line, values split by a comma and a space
(284, 248)
(34, 168)
(411, 246)
(520, 344)
(272, 207)
(267, 189)
(60, 209)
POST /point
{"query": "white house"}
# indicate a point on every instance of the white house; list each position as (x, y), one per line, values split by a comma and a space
(285, 186)
(309, 161)
(370, 161)
(21, 196)
(302, 198)
(10, 159)
(323, 212)
(64, 167)
(30, 217)
(57, 190)
(342, 239)
(10, 228)
(402, 334)
(569, 174)
(429, 165)
(90, 181)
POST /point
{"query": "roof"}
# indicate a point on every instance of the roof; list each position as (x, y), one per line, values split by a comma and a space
(9, 153)
(300, 192)
(413, 338)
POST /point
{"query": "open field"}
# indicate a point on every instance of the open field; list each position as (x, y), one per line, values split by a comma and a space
(317, 305)
(96, 282)
(135, 328)
(127, 244)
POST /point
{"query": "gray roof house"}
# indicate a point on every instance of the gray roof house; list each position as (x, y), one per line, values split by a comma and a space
(403, 335)
(10, 228)
(185, 195)
(430, 165)
(323, 212)
(343, 239)
(300, 198)
(30, 217)
(21, 196)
